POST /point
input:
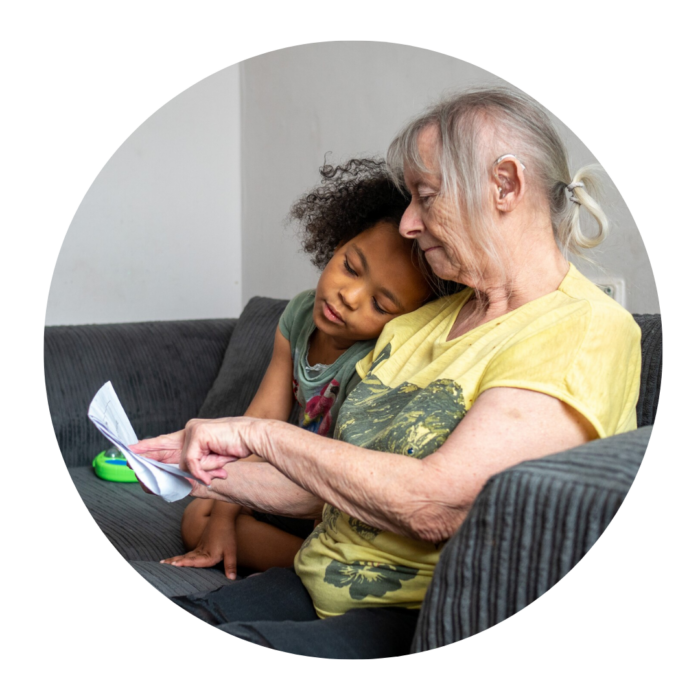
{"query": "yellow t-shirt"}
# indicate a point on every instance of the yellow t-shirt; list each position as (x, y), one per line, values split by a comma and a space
(575, 344)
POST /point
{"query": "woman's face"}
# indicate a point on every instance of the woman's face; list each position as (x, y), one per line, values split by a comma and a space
(368, 281)
(433, 219)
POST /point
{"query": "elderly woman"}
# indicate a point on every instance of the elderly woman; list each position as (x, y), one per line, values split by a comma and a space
(530, 359)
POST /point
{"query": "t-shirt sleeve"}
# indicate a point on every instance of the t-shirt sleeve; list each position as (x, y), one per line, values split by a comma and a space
(362, 367)
(291, 312)
(589, 359)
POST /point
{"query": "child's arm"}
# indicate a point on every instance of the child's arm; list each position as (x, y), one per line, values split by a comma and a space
(274, 396)
(208, 530)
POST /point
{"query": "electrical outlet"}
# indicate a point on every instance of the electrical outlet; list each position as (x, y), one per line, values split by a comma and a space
(614, 287)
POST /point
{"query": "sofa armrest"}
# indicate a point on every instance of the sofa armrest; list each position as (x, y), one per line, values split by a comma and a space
(161, 372)
(529, 526)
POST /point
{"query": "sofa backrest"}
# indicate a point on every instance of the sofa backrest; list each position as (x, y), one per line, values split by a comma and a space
(167, 372)
(652, 356)
(161, 372)
(246, 358)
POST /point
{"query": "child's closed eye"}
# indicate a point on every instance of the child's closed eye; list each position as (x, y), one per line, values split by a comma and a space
(375, 304)
(379, 308)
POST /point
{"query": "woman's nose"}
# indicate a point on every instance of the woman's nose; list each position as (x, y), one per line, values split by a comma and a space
(411, 224)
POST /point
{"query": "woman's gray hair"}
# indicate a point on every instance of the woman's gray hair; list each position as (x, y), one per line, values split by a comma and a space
(478, 126)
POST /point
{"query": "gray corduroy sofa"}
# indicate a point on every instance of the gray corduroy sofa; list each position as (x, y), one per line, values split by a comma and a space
(529, 526)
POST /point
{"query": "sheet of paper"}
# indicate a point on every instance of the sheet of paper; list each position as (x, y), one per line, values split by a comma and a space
(165, 480)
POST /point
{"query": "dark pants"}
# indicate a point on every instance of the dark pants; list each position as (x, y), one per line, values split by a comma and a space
(294, 526)
(274, 610)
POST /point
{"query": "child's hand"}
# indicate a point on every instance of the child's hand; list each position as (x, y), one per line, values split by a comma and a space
(217, 543)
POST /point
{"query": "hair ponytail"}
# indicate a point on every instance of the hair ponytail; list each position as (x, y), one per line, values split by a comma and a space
(582, 192)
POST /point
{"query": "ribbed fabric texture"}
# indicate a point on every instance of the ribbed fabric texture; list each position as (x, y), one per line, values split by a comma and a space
(528, 527)
(160, 371)
(652, 351)
(173, 580)
(247, 356)
(140, 526)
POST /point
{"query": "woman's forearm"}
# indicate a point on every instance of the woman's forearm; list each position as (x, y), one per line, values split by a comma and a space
(260, 486)
(384, 490)
(226, 508)
(424, 499)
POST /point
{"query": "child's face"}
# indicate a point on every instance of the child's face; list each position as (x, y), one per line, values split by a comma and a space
(368, 281)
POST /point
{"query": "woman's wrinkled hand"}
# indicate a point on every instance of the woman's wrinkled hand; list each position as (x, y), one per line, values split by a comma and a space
(203, 448)
(165, 448)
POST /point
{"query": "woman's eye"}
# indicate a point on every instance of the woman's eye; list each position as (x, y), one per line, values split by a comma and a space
(348, 268)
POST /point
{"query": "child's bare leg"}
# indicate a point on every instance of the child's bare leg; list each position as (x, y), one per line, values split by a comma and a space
(260, 546)
(194, 520)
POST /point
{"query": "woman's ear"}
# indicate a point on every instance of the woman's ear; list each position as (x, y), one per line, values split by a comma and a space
(508, 182)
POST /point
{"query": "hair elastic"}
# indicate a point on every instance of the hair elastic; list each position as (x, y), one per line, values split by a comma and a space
(571, 187)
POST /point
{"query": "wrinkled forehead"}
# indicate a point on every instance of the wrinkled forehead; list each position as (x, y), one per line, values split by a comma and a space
(434, 153)
(422, 155)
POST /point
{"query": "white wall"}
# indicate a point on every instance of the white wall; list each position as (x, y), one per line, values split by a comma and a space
(298, 104)
(164, 206)
(158, 234)
(351, 98)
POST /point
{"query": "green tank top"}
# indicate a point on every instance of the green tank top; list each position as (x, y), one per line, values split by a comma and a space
(320, 390)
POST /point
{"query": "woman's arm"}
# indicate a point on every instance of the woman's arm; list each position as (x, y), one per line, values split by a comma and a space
(425, 499)
(263, 487)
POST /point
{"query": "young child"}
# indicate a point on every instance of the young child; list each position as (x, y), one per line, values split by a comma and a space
(370, 275)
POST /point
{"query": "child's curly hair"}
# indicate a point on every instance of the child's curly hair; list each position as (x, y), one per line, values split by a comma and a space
(352, 198)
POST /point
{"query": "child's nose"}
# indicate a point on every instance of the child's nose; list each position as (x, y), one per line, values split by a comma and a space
(351, 294)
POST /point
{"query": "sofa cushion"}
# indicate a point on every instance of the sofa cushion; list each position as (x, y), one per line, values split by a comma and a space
(528, 527)
(180, 580)
(247, 356)
(140, 526)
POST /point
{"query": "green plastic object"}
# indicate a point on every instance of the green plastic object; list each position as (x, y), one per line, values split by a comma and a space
(110, 465)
